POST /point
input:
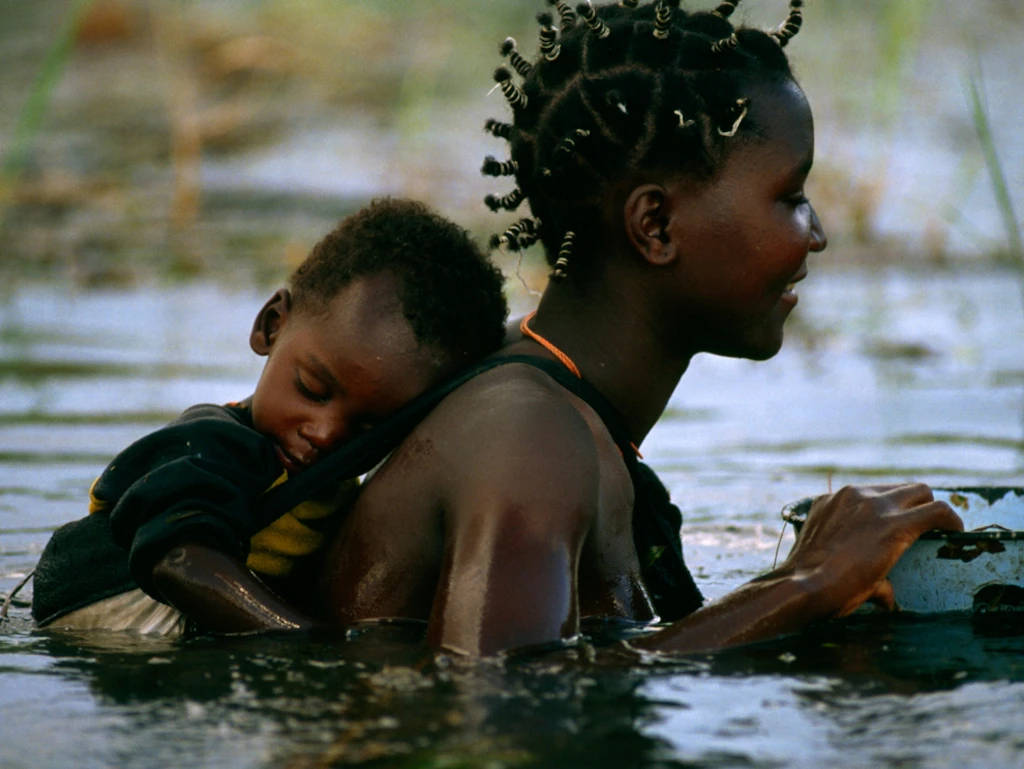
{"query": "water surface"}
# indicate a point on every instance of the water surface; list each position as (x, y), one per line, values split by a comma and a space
(887, 375)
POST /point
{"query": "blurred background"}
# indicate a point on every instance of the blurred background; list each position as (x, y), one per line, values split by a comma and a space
(166, 163)
(162, 139)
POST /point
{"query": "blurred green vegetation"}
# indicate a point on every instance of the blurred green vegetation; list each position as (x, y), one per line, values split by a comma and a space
(161, 139)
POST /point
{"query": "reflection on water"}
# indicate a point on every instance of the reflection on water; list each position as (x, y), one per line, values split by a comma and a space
(884, 377)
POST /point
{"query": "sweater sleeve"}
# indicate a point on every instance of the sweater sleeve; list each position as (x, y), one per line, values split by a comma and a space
(195, 480)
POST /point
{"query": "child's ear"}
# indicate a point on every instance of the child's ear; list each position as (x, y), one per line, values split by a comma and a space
(269, 321)
(645, 215)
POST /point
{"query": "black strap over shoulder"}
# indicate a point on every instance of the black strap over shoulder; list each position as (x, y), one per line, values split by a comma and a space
(362, 454)
(656, 521)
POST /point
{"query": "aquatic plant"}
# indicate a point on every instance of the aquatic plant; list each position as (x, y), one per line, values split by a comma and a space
(31, 116)
(983, 128)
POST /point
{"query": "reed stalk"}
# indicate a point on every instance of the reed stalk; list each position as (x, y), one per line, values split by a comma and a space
(1000, 189)
(31, 116)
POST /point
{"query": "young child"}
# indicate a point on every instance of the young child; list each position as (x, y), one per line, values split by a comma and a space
(390, 303)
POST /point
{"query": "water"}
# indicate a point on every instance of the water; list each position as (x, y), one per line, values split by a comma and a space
(887, 374)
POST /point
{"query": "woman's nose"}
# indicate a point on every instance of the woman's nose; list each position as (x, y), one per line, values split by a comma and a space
(819, 240)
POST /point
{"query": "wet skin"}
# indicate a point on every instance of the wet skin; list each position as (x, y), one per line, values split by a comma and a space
(745, 237)
(334, 372)
(506, 515)
(331, 372)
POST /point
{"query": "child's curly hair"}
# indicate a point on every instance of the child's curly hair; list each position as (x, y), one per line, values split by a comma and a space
(450, 292)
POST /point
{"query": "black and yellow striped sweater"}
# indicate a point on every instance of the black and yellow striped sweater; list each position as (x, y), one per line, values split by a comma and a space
(199, 479)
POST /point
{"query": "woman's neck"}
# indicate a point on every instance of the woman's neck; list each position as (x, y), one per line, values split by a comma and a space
(616, 348)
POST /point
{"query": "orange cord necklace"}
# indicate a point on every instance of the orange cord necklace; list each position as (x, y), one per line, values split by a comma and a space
(548, 345)
(563, 358)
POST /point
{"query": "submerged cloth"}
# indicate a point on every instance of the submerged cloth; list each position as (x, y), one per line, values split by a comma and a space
(196, 480)
(128, 610)
(657, 523)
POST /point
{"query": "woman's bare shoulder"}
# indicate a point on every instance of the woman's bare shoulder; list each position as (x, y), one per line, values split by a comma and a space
(505, 426)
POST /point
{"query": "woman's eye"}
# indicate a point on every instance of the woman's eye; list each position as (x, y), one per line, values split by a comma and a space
(799, 199)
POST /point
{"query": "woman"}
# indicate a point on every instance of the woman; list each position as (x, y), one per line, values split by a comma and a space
(663, 156)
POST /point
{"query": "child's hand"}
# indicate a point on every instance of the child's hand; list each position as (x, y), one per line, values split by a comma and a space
(219, 595)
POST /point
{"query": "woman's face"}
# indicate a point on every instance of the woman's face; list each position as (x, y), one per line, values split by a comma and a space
(743, 238)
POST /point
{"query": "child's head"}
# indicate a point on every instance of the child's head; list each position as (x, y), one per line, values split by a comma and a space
(392, 301)
(623, 94)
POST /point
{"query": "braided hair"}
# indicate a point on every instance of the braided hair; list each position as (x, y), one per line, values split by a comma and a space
(618, 90)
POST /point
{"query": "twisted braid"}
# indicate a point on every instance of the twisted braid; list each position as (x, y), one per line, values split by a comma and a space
(636, 88)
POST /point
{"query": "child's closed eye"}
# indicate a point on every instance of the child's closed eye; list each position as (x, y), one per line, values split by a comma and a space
(310, 391)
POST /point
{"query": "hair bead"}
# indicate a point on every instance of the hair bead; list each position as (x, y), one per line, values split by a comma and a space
(499, 129)
(725, 44)
(683, 122)
(614, 99)
(560, 270)
(509, 202)
(791, 25)
(724, 11)
(549, 45)
(663, 18)
(566, 15)
(515, 95)
(492, 167)
(597, 26)
(743, 106)
(520, 64)
(521, 234)
(526, 239)
(568, 145)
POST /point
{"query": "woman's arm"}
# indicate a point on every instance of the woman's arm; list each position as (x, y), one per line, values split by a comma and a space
(840, 560)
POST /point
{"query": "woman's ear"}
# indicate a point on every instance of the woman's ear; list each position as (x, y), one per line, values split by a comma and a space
(269, 321)
(646, 219)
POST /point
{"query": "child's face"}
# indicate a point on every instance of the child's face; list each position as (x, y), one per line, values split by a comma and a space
(746, 235)
(332, 374)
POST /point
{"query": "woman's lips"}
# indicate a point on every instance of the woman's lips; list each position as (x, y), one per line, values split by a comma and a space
(789, 292)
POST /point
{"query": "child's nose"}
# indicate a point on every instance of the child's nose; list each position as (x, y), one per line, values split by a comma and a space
(325, 433)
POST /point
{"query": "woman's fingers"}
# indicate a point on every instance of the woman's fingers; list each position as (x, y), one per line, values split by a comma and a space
(884, 596)
(935, 515)
(852, 538)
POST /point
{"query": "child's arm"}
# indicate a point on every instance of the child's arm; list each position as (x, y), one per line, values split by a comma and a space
(219, 594)
(190, 489)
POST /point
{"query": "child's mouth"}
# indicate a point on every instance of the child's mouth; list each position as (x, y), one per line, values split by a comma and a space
(290, 463)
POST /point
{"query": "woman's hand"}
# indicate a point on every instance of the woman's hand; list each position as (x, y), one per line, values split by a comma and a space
(852, 538)
(841, 559)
